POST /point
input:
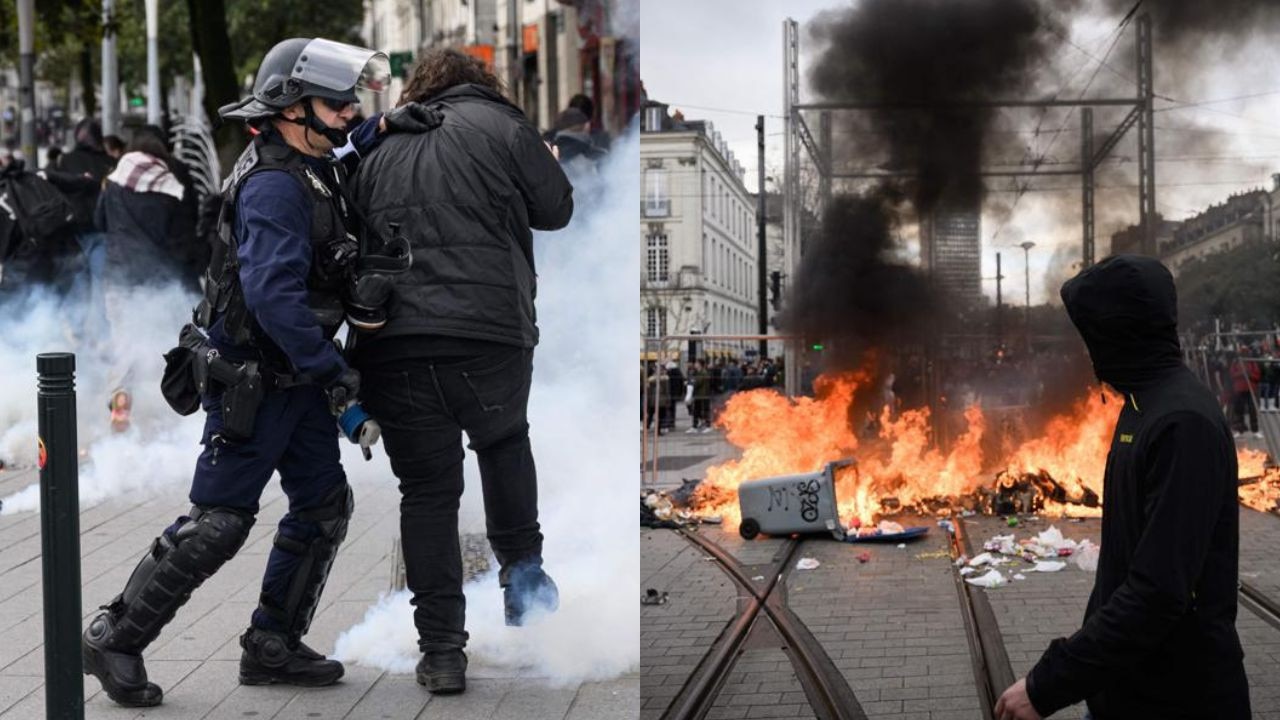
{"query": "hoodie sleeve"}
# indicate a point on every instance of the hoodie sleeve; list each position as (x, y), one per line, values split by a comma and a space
(547, 193)
(1184, 496)
(273, 219)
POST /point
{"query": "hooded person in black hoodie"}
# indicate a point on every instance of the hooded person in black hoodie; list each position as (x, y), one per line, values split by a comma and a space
(1159, 637)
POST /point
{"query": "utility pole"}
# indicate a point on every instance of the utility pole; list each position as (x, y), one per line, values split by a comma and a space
(1086, 185)
(27, 80)
(762, 264)
(154, 103)
(1026, 256)
(110, 78)
(999, 304)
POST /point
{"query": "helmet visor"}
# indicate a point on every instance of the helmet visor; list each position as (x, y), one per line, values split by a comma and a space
(342, 68)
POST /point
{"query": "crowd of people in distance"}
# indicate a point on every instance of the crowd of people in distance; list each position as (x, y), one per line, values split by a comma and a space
(702, 388)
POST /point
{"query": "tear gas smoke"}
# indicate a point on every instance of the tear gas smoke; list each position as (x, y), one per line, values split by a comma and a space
(157, 453)
(582, 422)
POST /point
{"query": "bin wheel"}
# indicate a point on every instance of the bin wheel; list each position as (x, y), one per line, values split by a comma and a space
(749, 529)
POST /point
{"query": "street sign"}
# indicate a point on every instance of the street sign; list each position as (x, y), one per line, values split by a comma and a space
(400, 63)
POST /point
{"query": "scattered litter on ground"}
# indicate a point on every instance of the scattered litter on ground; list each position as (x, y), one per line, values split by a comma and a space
(992, 579)
(1086, 557)
(807, 564)
(981, 559)
(889, 527)
(902, 546)
(863, 557)
(1048, 551)
(757, 578)
(653, 597)
(1012, 521)
(933, 555)
(947, 525)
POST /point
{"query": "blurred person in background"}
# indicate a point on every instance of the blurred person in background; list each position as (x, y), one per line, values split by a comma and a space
(145, 213)
(1245, 376)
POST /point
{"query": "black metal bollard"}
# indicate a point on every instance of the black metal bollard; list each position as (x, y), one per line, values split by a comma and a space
(60, 536)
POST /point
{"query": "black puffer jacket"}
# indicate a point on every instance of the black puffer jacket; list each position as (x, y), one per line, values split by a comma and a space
(466, 195)
(149, 235)
(1159, 637)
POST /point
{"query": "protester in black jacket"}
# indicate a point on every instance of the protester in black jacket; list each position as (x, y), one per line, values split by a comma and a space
(456, 352)
(142, 213)
(1159, 637)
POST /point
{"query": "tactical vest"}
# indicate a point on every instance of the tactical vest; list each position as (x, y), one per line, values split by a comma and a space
(223, 296)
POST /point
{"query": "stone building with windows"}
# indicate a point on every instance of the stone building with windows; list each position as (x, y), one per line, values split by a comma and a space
(697, 234)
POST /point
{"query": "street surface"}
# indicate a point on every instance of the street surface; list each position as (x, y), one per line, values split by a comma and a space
(893, 625)
(196, 657)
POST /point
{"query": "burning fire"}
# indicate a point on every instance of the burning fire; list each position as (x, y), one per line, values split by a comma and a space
(1058, 472)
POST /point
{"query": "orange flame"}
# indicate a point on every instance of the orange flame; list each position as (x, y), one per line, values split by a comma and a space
(783, 436)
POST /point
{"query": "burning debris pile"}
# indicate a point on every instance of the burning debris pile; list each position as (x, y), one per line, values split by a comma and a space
(1058, 472)
(1259, 481)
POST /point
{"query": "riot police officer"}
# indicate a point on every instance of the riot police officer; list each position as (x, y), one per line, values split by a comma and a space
(275, 379)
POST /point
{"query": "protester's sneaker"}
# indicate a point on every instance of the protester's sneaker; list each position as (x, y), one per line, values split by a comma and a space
(443, 672)
(122, 674)
(528, 589)
(120, 405)
(706, 429)
(273, 657)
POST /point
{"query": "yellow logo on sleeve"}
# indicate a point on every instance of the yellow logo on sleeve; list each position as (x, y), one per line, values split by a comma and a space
(1126, 438)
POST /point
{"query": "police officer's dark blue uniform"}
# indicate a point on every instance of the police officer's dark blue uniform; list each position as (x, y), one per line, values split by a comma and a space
(274, 299)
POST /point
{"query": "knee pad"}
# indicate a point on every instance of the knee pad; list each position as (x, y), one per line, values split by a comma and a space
(330, 517)
(179, 560)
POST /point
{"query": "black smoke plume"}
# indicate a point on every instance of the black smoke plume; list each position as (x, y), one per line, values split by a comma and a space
(923, 57)
(927, 53)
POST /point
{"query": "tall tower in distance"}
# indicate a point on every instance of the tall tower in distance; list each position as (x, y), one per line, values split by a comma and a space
(950, 250)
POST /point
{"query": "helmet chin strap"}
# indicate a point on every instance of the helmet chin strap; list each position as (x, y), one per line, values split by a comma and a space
(336, 137)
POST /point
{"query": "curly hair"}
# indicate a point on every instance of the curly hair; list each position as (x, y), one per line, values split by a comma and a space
(443, 68)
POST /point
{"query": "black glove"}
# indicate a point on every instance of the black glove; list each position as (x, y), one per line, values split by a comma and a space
(343, 391)
(412, 118)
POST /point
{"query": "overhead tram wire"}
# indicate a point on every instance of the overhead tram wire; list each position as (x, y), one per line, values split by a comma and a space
(1025, 184)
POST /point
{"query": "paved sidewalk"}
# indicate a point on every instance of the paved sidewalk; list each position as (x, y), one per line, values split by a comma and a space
(195, 659)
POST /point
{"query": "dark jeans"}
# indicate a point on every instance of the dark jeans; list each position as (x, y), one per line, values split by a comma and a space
(423, 406)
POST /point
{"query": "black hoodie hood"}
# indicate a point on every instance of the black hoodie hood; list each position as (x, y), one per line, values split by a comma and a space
(1126, 309)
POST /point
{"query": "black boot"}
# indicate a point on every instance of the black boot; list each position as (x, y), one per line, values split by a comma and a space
(443, 672)
(526, 588)
(121, 673)
(273, 657)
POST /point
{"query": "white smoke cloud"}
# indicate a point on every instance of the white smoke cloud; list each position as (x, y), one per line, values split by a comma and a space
(583, 413)
(158, 451)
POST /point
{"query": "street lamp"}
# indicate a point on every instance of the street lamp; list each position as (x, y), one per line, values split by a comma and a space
(1026, 256)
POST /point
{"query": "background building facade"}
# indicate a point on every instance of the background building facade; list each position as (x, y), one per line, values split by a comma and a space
(698, 233)
(545, 51)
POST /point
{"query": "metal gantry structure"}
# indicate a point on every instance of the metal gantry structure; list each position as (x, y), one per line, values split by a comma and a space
(820, 149)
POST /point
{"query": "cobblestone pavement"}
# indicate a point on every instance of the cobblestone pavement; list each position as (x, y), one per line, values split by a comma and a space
(196, 657)
(1034, 611)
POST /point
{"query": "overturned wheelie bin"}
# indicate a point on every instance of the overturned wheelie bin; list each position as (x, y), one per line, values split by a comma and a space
(788, 504)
